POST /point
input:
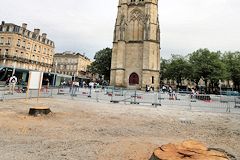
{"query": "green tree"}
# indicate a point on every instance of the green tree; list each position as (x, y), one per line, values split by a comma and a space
(232, 62)
(102, 63)
(164, 63)
(178, 69)
(208, 66)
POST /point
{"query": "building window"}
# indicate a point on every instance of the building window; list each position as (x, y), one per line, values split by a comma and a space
(152, 79)
(16, 53)
(24, 44)
(28, 46)
(35, 48)
(7, 29)
(8, 41)
(25, 33)
(4, 29)
(34, 36)
(39, 49)
(6, 52)
(18, 42)
(11, 29)
(1, 40)
(28, 34)
(16, 29)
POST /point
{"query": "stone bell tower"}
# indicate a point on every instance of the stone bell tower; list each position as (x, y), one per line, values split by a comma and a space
(136, 45)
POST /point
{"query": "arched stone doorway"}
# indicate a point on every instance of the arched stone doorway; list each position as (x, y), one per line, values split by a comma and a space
(133, 79)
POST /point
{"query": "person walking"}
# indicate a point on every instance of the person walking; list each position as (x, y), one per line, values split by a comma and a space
(12, 84)
(47, 84)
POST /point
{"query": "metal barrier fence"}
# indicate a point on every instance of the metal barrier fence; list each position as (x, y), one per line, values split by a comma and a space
(20, 92)
(183, 101)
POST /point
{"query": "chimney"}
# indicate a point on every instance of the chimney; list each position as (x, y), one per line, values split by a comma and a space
(37, 31)
(24, 25)
(3, 22)
(44, 35)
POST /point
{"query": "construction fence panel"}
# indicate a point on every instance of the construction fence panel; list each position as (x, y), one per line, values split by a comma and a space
(213, 103)
(20, 92)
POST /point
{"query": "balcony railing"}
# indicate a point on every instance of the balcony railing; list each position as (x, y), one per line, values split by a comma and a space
(24, 60)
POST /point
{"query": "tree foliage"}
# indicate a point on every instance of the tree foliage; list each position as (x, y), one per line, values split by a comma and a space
(164, 69)
(232, 62)
(205, 65)
(178, 69)
(102, 63)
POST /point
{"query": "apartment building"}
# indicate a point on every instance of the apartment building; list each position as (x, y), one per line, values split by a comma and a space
(24, 49)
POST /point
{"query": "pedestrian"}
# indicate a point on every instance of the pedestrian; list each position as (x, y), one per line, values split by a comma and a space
(91, 85)
(23, 85)
(164, 89)
(84, 84)
(193, 94)
(47, 84)
(174, 95)
(146, 88)
(170, 93)
(12, 84)
(7, 81)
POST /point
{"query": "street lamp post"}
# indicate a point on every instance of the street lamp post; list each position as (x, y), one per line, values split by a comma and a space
(55, 72)
(14, 68)
(4, 58)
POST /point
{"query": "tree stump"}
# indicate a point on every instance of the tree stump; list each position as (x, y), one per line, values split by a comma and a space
(189, 150)
(39, 111)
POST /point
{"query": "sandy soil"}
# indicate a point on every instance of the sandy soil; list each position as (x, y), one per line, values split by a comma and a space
(81, 130)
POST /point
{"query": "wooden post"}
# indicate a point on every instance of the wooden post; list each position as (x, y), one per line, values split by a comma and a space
(27, 93)
(40, 86)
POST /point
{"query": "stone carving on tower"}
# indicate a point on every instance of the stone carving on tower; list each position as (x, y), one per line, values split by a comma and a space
(122, 28)
(147, 27)
(136, 45)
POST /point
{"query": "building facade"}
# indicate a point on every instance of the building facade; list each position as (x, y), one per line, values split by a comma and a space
(73, 64)
(24, 49)
(136, 45)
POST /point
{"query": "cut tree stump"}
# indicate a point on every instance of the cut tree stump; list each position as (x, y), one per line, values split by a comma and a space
(39, 111)
(189, 150)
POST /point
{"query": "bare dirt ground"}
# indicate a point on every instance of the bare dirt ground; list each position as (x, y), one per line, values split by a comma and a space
(81, 130)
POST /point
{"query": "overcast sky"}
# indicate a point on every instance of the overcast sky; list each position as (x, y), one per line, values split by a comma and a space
(87, 26)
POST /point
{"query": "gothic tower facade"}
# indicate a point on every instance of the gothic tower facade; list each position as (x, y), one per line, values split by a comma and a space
(136, 45)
